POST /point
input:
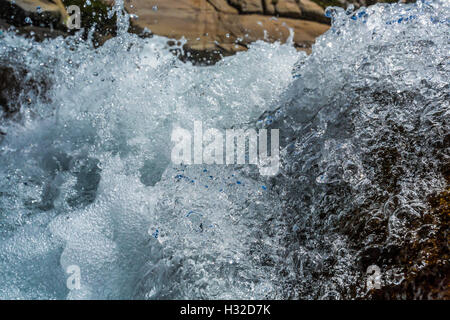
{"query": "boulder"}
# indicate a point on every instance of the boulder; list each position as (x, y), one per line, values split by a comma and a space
(17, 85)
(312, 11)
(217, 28)
(30, 18)
(269, 7)
(248, 6)
(211, 27)
(288, 8)
(250, 28)
(37, 33)
(223, 6)
(39, 13)
(9, 83)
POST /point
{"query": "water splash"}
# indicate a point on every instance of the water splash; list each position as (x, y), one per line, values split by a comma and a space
(85, 176)
(85, 172)
(365, 128)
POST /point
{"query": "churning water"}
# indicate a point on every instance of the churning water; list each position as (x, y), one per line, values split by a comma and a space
(86, 177)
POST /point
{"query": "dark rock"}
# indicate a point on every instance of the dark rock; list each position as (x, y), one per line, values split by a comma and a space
(37, 33)
(51, 14)
(17, 86)
(324, 148)
(9, 82)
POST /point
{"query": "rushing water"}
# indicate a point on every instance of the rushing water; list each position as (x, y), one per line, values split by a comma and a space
(86, 177)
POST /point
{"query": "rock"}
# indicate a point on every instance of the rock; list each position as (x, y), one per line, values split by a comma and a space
(213, 28)
(288, 8)
(312, 11)
(95, 17)
(248, 6)
(195, 20)
(37, 13)
(37, 33)
(223, 6)
(38, 19)
(8, 89)
(414, 254)
(269, 7)
(251, 28)
(43, 19)
(15, 84)
(31, 18)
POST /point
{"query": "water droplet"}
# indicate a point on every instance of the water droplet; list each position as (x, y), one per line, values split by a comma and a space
(350, 9)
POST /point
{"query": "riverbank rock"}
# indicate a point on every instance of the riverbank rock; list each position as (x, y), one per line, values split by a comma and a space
(214, 28)
(18, 87)
(8, 84)
(37, 33)
(38, 19)
(248, 6)
(38, 13)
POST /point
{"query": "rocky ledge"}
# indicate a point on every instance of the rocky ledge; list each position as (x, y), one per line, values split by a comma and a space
(212, 28)
(226, 27)
(38, 18)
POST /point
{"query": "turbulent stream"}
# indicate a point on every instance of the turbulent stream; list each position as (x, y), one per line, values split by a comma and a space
(86, 177)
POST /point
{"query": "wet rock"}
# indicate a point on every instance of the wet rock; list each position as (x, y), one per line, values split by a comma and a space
(9, 82)
(269, 7)
(425, 263)
(215, 28)
(18, 87)
(37, 33)
(42, 19)
(248, 6)
(37, 19)
(38, 13)
(223, 6)
(87, 173)
(365, 178)
(96, 20)
(288, 8)
(312, 11)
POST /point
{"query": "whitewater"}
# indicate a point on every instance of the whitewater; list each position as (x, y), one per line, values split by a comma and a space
(86, 177)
